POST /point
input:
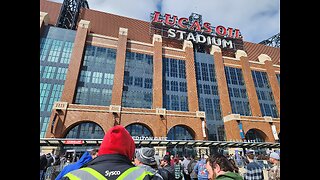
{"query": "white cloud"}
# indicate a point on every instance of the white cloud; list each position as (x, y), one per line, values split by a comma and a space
(137, 9)
(256, 19)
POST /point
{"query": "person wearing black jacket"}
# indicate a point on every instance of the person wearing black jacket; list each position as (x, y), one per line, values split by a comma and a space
(166, 170)
(114, 159)
(43, 165)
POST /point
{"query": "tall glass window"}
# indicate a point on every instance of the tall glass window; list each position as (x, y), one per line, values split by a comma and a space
(175, 96)
(86, 130)
(264, 93)
(179, 133)
(138, 80)
(96, 76)
(208, 94)
(55, 51)
(139, 130)
(237, 91)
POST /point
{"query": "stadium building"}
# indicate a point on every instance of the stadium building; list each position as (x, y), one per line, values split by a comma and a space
(172, 78)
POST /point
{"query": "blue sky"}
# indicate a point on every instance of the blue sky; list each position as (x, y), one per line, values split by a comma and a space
(257, 19)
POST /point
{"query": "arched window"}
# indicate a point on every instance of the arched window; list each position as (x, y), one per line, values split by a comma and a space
(180, 133)
(139, 130)
(255, 135)
(87, 130)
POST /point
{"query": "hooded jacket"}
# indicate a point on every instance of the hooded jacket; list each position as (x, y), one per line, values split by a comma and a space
(118, 141)
(156, 176)
(167, 172)
(86, 157)
(229, 176)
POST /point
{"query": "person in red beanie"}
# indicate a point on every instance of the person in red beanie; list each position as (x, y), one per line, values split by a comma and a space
(114, 160)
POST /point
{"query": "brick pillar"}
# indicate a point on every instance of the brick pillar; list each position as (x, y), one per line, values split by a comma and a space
(232, 130)
(44, 20)
(231, 126)
(221, 81)
(70, 85)
(191, 77)
(119, 67)
(251, 89)
(272, 79)
(157, 101)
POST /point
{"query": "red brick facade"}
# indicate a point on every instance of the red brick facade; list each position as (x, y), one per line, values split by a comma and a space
(119, 68)
(73, 72)
(157, 72)
(222, 83)
(128, 34)
(251, 90)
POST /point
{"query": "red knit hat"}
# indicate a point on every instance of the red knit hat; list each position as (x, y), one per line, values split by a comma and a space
(117, 141)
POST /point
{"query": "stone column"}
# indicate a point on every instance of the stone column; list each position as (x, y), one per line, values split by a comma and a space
(221, 81)
(119, 67)
(273, 81)
(191, 77)
(69, 90)
(251, 89)
(157, 99)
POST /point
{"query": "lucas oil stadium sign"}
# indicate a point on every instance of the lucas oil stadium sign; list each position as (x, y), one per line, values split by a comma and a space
(193, 29)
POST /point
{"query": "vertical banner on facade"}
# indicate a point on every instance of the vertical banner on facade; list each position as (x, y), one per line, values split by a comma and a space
(203, 129)
(274, 132)
(241, 130)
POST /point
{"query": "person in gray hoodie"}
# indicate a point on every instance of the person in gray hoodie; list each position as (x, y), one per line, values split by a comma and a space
(144, 157)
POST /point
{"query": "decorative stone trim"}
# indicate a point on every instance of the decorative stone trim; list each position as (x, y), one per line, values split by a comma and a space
(123, 31)
(231, 117)
(156, 38)
(44, 17)
(103, 36)
(268, 118)
(58, 105)
(201, 114)
(187, 44)
(215, 49)
(173, 49)
(161, 111)
(240, 53)
(84, 24)
(263, 57)
(114, 108)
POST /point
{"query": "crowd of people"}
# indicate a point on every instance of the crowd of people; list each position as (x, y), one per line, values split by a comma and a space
(118, 158)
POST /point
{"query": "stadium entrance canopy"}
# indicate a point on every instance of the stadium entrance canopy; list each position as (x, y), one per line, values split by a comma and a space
(152, 143)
